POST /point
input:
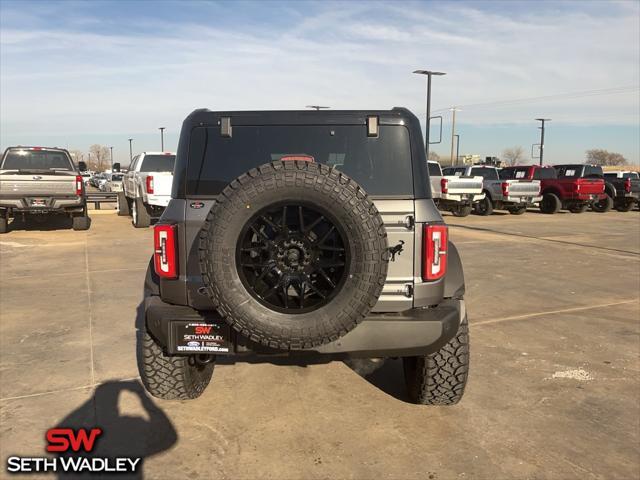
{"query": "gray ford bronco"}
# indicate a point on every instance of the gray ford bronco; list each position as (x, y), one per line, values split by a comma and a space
(303, 233)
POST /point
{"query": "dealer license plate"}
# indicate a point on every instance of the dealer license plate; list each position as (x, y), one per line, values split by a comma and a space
(198, 337)
(38, 202)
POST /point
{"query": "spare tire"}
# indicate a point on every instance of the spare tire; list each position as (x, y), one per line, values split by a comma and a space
(293, 254)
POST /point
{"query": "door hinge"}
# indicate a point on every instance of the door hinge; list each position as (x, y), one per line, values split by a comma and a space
(409, 222)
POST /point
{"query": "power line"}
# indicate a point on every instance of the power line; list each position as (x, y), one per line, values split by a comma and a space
(569, 95)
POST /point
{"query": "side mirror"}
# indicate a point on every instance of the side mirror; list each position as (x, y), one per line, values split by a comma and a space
(82, 166)
(116, 167)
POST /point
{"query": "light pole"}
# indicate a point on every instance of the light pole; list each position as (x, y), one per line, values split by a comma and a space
(130, 149)
(453, 132)
(111, 149)
(542, 136)
(161, 138)
(315, 107)
(457, 148)
(429, 74)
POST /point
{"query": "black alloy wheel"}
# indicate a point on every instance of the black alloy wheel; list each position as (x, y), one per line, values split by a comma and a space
(293, 257)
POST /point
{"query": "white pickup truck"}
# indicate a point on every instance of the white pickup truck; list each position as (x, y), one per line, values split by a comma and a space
(453, 193)
(146, 187)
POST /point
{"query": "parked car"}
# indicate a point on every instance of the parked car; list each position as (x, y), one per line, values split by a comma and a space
(454, 193)
(146, 187)
(310, 234)
(96, 179)
(624, 189)
(37, 181)
(86, 177)
(512, 195)
(111, 183)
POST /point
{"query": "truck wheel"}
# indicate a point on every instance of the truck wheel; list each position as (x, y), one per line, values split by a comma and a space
(579, 208)
(604, 205)
(4, 222)
(484, 207)
(81, 222)
(517, 210)
(172, 378)
(294, 273)
(462, 210)
(623, 206)
(140, 217)
(122, 204)
(440, 378)
(550, 203)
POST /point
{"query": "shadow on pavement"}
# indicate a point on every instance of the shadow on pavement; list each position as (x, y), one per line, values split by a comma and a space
(42, 222)
(123, 435)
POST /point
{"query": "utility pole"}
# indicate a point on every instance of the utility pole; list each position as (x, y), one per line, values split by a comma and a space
(453, 134)
(429, 74)
(457, 148)
(111, 148)
(315, 107)
(161, 138)
(130, 149)
(542, 136)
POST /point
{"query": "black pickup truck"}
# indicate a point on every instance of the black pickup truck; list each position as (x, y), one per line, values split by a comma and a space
(623, 188)
(303, 233)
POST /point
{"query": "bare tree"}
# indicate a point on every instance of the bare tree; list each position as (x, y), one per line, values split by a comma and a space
(77, 156)
(99, 157)
(603, 157)
(513, 156)
(434, 156)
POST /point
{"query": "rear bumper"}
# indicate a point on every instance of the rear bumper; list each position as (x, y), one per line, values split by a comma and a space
(586, 197)
(157, 200)
(51, 204)
(419, 331)
(522, 200)
(458, 198)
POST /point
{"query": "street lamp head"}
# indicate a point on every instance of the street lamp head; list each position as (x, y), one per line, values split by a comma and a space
(543, 119)
(428, 72)
(315, 107)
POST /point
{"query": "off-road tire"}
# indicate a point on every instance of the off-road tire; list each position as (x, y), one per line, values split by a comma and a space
(603, 206)
(172, 377)
(484, 207)
(625, 206)
(81, 222)
(517, 210)
(123, 205)
(579, 208)
(440, 378)
(462, 210)
(140, 217)
(317, 185)
(550, 203)
(4, 223)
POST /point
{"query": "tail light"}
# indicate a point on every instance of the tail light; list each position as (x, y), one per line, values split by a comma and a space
(627, 185)
(444, 185)
(165, 256)
(150, 184)
(434, 252)
(79, 185)
(505, 189)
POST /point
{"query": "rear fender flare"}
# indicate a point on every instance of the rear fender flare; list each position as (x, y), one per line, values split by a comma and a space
(454, 281)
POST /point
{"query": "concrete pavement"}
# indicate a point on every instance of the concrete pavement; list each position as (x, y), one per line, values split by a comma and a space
(553, 392)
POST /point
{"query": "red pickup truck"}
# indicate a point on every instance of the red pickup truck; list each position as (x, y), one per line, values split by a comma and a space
(571, 187)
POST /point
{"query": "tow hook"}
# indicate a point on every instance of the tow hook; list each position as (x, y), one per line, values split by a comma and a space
(203, 359)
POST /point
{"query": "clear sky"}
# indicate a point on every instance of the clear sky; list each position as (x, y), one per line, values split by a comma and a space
(74, 73)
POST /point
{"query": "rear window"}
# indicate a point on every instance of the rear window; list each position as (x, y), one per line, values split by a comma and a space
(381, 165)
(434, 169)
(486, 173)
(544, 173)
(631, 175)
(158, 163)
(16, 159)
(519, 173)
(116, 178)
(569, 171)
(454, 171)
